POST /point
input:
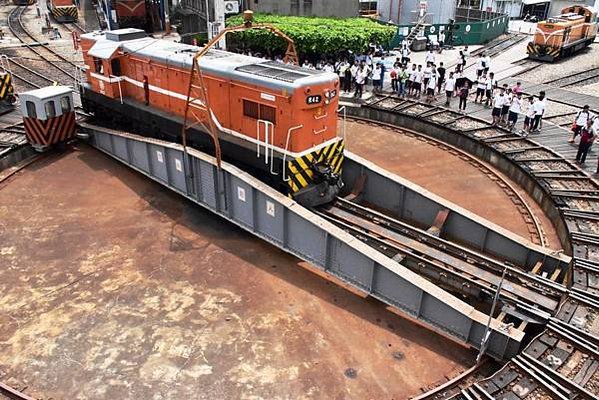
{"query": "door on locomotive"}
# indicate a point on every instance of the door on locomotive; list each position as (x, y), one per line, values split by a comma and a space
(48, 115)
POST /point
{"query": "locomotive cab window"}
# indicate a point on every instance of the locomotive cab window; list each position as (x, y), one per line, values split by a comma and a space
(98, 66)
(65, 104)
(50, 109)
(259, 111)
(31, 112)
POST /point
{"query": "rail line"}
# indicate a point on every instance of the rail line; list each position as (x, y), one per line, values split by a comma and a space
(450, 265)
(44, 52)
(562, 362)
(13, 393)
(536, 232)
(574, 79)
(500, 46)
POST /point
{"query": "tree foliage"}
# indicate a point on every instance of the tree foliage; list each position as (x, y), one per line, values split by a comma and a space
(313, 36)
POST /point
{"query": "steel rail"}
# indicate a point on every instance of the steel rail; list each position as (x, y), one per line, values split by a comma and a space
(508, 188)
(15, 16)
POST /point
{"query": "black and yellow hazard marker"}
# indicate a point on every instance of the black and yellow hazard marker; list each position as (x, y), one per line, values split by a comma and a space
(300, 171)
(6, 88)
(65, 13)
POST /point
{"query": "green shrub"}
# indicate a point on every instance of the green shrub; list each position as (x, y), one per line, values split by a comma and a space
(313, 36)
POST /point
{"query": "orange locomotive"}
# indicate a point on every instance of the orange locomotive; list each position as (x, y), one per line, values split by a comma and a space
(276, 120)
(63, 10)
(564, 34)
(48, 116)
(131, 13)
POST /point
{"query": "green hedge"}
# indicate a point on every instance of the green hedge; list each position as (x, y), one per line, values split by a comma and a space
(313, 36)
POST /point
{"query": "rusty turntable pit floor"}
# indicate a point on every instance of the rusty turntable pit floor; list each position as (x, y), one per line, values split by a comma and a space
(445, 174)
(113, 287)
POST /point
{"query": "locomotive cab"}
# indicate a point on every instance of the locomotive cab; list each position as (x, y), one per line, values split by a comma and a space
(48, 115)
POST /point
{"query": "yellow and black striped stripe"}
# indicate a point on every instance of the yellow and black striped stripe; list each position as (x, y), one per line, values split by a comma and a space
(538, 51)
(64, 13)
(300, 173)
(6, 88)
(532, 48)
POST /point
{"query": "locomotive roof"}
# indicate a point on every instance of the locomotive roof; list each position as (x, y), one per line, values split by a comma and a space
(252, 70)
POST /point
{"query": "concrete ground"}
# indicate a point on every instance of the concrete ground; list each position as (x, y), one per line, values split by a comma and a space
(113, 287)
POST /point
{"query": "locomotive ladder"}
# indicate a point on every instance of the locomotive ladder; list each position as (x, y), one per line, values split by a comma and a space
(197, 107)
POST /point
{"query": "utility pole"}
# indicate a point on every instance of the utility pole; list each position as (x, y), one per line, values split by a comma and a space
(485, 341)
(219, 21)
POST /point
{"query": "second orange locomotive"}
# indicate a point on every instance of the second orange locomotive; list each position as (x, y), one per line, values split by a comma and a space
(277, 120)
(557, 37)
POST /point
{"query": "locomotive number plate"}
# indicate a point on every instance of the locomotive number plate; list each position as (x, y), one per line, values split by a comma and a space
(314, 99)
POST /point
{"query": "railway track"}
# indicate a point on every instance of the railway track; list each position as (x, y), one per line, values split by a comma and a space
(562, 361)
(537, 235)
(61, 70)
(501, 45)
(575, 79)
(449, 265)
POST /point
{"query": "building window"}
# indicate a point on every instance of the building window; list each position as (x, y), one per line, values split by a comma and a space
(65, 104)
(31, 109)
(308, 7)
(294, 7)
(368, 7)
(259, 111)
(50, 109)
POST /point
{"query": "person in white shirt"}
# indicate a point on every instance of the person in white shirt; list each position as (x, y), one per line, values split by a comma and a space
(405, 54)
(430, 88)
(430, 57)
(410, 81)
(361, 75)
(449, 88)
(487, 63)
(506, 107)
(377, 78)
(480, 65)
(328, 68)
(418, 81)
(580, 121)
(530, 116)
(426, 74)
(491, 84)
(515, 107)
(481, 86)
(539, 105)
(498, 101)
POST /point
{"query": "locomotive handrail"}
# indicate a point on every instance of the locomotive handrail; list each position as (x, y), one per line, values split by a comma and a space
(268, 128)
(293, 128)
(118, 80)
(318, 132)
(321, 116)
(342, 108)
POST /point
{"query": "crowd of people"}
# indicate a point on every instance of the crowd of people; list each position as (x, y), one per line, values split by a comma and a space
(432, 79)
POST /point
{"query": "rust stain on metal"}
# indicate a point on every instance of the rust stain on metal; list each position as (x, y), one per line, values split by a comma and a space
(113, 287)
